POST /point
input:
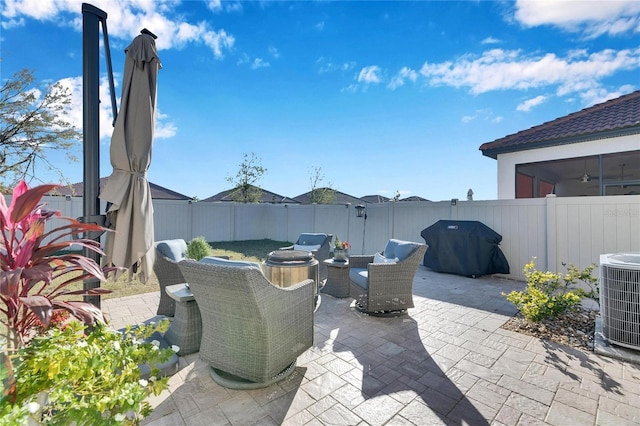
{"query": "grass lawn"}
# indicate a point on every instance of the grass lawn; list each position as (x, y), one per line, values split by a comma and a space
(253, 250)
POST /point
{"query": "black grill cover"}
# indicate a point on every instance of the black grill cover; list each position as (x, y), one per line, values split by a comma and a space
(464, 247)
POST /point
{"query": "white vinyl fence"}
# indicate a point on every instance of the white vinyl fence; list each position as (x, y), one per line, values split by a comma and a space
(570, 230)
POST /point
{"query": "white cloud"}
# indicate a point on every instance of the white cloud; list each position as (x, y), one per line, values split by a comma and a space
(214, 5)
(319, 26)
(530, 103)
(125, 19)
(369, 75)
(326, 65)
(499, 69)
(491, 40)
(593, 18)
(598, 95)
(481, 114)
(273, 51)
(403, 75)
(259, 63)
(164, 128)
(254, 64)
(218, 41)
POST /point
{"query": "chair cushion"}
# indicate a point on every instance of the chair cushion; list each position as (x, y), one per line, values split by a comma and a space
(212, 260)
(378, 258)
(175, 250)
(305, 247)
(360, 276)
(311, 239)
(400, 249)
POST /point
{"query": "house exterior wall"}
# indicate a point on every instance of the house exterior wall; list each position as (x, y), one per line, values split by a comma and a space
(507, 162)
(554, 230)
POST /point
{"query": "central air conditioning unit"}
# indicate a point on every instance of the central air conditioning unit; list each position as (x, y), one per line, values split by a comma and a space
(620, 298)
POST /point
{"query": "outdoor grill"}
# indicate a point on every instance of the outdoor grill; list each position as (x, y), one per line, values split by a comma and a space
(464, 247)
(285, 268)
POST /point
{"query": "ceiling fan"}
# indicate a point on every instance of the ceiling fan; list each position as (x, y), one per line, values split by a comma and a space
(586, 177)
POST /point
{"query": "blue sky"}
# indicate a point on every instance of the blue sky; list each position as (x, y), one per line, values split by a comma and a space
(381, 96)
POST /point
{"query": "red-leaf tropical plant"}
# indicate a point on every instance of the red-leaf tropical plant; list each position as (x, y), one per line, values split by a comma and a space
(35, 269)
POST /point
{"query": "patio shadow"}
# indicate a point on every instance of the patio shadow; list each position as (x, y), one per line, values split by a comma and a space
(396, 364)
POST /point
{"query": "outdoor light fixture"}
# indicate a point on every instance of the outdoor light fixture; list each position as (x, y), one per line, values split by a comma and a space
(361, 211)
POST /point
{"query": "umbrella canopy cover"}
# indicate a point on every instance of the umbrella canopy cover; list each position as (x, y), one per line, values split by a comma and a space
(127, 189)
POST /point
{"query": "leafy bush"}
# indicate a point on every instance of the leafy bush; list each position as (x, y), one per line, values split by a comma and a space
(67, 377)
(548, 293)
(36, 269)
(50, 370)
(198, 248)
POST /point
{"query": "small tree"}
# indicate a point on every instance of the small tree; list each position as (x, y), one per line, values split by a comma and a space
(320, 195)
(33, 122)
(250, 172)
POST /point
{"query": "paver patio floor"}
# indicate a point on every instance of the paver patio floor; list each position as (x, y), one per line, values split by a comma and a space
(446, 362)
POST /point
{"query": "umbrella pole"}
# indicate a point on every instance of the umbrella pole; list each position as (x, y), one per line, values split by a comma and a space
(91, 17)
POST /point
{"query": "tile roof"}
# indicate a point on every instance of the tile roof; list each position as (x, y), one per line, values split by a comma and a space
(341, 198)
(413, 198)
(157, 192)
(375, 199)
(613, 118)
(266, 197)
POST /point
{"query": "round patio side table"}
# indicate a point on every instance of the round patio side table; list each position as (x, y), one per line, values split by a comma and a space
(337, 284)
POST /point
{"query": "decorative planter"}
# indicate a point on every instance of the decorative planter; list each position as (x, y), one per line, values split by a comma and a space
(340, 255)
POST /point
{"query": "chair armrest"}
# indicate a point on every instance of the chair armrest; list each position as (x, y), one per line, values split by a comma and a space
(360, 261)
(304, 289)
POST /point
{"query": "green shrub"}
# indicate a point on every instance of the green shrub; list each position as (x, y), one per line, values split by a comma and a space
(549, 294)
(198, 248)
(65, 376)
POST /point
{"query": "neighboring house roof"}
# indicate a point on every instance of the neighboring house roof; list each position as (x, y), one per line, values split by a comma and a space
(375, 199)
(413, 198)
(341, 198)
(613, 118)
(157, 192)
(265, 197)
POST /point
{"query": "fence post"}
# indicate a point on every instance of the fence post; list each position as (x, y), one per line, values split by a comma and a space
(454, 209)
(550, 216)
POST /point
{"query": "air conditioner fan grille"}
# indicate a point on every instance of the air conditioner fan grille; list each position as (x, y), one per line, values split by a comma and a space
(620, 305)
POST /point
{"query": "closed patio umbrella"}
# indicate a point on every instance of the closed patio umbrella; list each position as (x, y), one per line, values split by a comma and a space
(127, 189)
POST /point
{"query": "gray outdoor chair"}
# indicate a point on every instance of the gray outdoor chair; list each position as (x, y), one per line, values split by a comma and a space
(318, 244)
(382, 284)
(252, 330)
(168, 254)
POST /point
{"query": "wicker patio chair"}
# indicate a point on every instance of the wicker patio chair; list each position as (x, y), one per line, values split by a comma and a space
(382, 284)
(252, 330)
(318, 244)
(168, 254)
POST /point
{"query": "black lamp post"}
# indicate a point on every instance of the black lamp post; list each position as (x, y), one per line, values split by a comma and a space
(361, 211)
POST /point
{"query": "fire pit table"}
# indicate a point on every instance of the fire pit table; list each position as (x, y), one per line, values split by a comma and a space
(285, 268)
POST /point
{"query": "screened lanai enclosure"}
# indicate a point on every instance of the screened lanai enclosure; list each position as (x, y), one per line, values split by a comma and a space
(605, 174)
